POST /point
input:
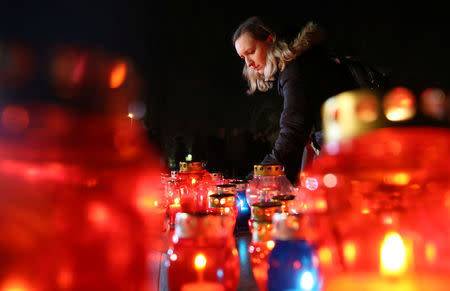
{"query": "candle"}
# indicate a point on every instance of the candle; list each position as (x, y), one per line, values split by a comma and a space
(393, 274)
(173, 210)
(375, 282)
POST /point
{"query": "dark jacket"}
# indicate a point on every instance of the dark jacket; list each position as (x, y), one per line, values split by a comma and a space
(305, 84)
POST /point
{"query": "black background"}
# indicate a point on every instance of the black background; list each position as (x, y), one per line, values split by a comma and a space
(193, 86)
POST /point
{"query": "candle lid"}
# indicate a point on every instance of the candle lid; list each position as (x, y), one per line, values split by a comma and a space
(226, 188)
(264, 210)
(216, 176)
(268, 170)
(203, 225)
(222, 200)
(192, 166)
(241, 185)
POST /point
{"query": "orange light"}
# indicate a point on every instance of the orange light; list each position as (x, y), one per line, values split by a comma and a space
(270, 244)
(349, 252)
(227, 210)
(430, 252)
(65, 278)
(387, 220)
(176, 201)
(365, 211)
(118, 75)
(15, 285)
(15, 118)
(325, 256)
(321, 204)
(200, 262)
(397, 179)
(393, 255)
(399, 104)
(146, 203)
(193, 181)
(130, 115)
(98, 213)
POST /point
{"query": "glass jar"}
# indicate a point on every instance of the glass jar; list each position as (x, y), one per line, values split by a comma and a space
(194, 177)
(223, 204)
(203, 255)
(243, 208)
(389, 205)
(261, 242)
(78, 186)
(268, 181)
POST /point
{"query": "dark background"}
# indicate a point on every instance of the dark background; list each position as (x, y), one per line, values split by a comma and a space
(195, 95)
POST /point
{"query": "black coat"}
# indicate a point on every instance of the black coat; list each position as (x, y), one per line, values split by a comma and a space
(305, 84)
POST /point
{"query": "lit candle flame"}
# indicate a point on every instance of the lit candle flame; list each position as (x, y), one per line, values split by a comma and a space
(393, 255)
(325, 256)
(14, 285)
(270, 244)
(200, 262)
(307, 281)
(349, 252)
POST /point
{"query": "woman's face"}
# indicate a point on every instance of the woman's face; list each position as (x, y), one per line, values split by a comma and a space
(253, 51)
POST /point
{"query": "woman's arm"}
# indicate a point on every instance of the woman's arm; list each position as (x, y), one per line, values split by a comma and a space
(295, 121)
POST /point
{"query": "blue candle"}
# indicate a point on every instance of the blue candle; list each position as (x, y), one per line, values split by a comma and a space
(243, 208)
(292, 262)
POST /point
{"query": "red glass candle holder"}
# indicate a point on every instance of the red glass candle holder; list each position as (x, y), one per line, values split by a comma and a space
(387, 195)
(203, 255)
(268, 181)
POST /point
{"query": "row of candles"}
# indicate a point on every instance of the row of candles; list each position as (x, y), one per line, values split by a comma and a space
(371, 213)
(380, 235)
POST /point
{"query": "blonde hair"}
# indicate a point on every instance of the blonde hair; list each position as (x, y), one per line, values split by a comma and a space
(279, 54)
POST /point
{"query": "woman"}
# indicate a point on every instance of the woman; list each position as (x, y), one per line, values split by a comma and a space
(306, 75)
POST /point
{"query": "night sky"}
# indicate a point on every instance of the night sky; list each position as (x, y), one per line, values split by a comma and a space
(183, 50)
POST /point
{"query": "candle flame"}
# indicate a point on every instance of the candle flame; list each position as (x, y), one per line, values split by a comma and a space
(430, 252)
(349, 252)
(393, 255)
(200, 262)
(270, 244)
(307, 281)
(399, 104)
(193, 181)
(325, 256)
(15, 285)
